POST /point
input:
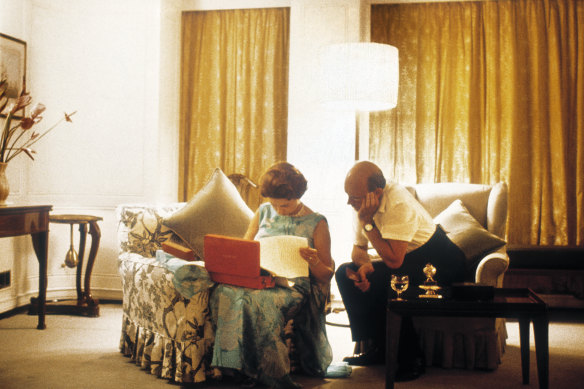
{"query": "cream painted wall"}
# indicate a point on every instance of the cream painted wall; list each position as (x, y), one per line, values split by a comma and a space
(15, 252)
(117, 63)
(103, 59)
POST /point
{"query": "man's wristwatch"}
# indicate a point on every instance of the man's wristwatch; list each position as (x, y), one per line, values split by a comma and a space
(369, 226)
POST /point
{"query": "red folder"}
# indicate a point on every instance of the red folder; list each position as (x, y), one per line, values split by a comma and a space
(235, 261)
(179, 251)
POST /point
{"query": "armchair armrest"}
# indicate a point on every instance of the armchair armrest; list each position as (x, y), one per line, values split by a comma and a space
(492, 267)
(140, 228)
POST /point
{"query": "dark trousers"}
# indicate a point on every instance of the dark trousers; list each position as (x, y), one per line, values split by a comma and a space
(367, 310)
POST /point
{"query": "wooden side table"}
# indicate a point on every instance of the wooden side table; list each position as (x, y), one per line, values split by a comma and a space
(31, 220)
(522, 304)
(85, 305)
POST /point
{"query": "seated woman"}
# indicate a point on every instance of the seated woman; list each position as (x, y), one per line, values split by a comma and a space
(250, 323)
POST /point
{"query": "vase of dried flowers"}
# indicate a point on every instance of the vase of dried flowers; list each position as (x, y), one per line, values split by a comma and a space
(4, 188)
(17, 135)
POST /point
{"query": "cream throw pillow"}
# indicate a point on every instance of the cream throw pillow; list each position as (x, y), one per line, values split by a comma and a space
(216, 209)
(466, 232)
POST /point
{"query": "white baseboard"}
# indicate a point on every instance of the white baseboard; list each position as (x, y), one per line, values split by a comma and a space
(8, 303)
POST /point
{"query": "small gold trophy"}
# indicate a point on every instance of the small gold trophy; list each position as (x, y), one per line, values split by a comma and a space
(430, 285)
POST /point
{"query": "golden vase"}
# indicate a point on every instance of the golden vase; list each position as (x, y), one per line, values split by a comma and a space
(4, 187)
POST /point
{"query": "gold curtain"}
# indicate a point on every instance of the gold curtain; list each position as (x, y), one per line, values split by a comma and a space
(234, 94)
(491, 91)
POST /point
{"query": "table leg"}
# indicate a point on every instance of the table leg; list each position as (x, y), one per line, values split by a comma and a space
(392, 331)
(524, 344)
(82, 238)
(95, 233)
(541, 334)
(40, 243)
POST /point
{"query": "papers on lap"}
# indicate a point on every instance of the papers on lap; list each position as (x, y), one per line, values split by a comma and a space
(280, 255)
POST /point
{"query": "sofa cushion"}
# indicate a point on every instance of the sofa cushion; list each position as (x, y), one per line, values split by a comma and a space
(216, 209)
(438, 196)
(466, 232)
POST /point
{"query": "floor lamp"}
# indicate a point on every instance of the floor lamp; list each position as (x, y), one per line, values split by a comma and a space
(360, 77)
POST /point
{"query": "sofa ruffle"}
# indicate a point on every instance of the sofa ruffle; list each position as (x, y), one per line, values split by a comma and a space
(164, 333)
(446, 344)
(164, 357)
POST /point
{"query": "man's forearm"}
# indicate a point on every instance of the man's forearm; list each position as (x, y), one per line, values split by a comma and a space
(359, 256)
(385, 248)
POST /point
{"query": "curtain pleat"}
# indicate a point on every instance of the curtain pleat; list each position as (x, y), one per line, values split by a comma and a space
(490, 91)
(234, 94)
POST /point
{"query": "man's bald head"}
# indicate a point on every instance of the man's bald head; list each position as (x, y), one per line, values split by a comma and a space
(363, 177)
(367, 175)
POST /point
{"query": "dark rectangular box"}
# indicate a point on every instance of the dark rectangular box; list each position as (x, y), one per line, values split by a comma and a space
(469, 291)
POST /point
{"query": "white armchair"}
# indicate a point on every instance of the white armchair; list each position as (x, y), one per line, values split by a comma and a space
(468, 342)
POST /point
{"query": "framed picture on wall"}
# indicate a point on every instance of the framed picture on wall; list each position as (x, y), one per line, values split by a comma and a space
(12, 66)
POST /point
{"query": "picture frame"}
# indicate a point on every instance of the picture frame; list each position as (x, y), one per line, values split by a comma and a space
(13, 67)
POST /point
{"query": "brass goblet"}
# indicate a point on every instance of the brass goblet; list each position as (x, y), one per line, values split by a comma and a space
(399, 284)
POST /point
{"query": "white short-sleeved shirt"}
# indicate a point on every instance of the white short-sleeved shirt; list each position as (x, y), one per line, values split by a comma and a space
(399, 217)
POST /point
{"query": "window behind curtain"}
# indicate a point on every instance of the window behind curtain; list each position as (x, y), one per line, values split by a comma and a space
(491, 91)
(234, 94)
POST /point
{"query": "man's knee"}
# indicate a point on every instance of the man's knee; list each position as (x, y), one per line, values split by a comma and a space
(341, 271)
(343, 282)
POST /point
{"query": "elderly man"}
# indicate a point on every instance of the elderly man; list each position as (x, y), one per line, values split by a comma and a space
(405, 238)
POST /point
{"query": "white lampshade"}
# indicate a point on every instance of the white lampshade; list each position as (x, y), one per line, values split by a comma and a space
(360, 76)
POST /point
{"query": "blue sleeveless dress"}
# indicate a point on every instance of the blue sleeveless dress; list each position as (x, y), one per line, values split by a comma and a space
(250, 323)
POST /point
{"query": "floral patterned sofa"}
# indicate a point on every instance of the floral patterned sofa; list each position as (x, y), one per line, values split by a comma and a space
(162, 331)
(172, 336)
(166, 330)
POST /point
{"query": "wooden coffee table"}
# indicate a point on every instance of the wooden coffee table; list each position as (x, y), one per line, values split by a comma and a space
(521, 304)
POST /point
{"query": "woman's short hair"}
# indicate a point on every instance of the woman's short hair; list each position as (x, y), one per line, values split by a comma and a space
(283, 181)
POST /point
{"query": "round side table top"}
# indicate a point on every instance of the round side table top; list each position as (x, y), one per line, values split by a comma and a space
(74, 219)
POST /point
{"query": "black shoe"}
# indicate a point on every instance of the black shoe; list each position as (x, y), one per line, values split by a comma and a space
(249, 383)
(411, 371)
(373, 356)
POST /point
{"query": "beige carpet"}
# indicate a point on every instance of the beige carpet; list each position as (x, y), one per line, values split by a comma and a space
(80, 352)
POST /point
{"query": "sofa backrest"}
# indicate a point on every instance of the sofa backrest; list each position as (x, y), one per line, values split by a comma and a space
(140, 228)
(486, 203)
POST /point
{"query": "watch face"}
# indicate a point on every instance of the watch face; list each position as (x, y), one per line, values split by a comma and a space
(368, 227)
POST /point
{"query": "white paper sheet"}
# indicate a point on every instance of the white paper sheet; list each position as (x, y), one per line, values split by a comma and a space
(280, 255)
